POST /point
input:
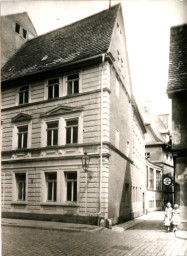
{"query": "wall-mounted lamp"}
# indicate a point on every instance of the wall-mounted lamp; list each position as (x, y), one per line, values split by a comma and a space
(85, 161)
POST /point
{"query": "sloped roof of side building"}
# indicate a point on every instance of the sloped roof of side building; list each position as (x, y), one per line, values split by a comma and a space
(177, 79)
(80, 40)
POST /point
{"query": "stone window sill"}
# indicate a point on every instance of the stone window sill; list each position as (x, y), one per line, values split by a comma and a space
(67, 204)
(19, 203)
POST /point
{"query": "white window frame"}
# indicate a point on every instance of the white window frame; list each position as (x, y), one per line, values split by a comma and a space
(22, 137)
(72, 186)
(15, 134)
(61, 186)
(47, 186)
(52, 133)
(65, 82)
(72, 129)
(15, 186)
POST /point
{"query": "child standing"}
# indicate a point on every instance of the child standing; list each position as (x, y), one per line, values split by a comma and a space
(167, 217)
(176, 220)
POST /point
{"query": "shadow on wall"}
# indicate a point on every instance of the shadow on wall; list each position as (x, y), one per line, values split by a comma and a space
(126, 209)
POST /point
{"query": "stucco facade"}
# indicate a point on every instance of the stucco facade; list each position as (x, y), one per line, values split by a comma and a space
(97, 118)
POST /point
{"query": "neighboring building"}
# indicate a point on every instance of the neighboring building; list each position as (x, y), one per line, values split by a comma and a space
(72, 93)
(154, 194)
(159, 157)
(177, 92)
(16, 29)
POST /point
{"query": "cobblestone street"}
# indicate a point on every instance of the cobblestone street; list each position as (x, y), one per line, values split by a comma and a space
(143, 239)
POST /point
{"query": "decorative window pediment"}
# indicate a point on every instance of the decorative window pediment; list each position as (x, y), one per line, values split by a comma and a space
(61, 111)
(21, 117)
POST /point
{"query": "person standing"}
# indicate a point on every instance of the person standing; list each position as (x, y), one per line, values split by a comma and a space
(167, 216)
(176, 220)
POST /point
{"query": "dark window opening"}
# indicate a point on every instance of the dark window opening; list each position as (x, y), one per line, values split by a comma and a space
(52, 134)
(71, 180)
(22, 136)
(72, 131)
(17, 28)
(73, 84)
(24, 33)
(53, 88)
(24, 95)
(21, 186)
(51, 179)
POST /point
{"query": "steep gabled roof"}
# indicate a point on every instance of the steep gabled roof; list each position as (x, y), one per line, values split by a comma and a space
(177, 79)
(85, 38)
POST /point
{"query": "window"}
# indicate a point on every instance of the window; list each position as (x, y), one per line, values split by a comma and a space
(17, 28)
(21, 186)
(73, 84)
(151, 178)
(71, 184)
(117, 138)
(147, 155)
(24, 95)
(24, 33)
(51, 180)
(53, 88)
(158, 180)
(52, 134)
(22, 136)
(72, 131)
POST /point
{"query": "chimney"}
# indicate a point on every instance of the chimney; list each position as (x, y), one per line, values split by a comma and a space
(165, 119)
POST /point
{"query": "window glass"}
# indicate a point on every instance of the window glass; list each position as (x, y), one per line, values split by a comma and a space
(51, 179)
(52, 134)
(24, 95)
(22, 136)
(73, 84)
(21, 186)
(53, 88)
(71, 181)
(72, 131)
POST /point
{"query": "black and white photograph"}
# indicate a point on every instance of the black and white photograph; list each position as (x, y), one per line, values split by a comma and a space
(93, 128)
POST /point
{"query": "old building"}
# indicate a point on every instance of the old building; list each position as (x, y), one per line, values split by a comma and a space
(16, 29)
(177, 92)
(71, 94)
(159, 158)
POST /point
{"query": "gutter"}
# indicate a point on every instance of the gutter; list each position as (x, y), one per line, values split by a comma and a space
(55, 67)
(101, 137)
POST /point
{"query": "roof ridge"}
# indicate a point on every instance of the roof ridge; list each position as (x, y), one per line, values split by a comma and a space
(68, 25)
(13, 14)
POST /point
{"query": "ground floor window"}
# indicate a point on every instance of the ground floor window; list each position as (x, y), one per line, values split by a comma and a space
(151, 203)
(71, 186)
(51, 180)
(21, 186)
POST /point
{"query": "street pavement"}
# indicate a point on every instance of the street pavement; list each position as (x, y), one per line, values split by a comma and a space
(143, 236)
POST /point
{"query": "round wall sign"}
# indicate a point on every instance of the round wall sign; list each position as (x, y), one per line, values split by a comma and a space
(167, 181)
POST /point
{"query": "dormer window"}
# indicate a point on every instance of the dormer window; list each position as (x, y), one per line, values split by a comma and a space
(17, 28)
(24, 33)
(24, 95)
(53, 88)
(73, 84)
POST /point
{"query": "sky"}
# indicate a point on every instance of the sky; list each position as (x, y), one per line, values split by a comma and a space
(147, 25)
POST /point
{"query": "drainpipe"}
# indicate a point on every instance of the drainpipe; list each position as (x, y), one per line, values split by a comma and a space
(101, 136)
